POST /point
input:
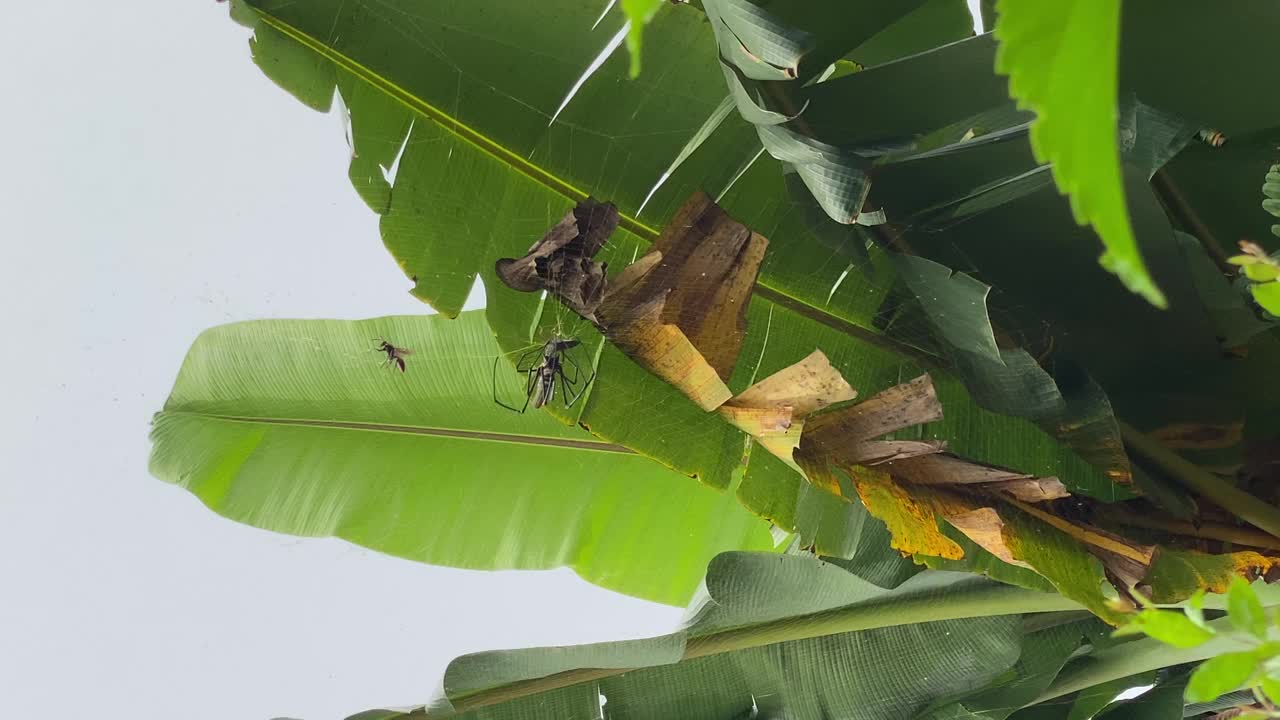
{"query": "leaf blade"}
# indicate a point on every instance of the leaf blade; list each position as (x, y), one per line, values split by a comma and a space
(294, 426)
(1062, 61)
(1219, 675)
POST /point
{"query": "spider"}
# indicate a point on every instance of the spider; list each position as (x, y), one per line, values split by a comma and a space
(540, 388)
(395, 355)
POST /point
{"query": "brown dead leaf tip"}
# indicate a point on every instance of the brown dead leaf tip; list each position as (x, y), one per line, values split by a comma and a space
(1199, 436)
(697, 276)
(562, 261)
(846, 436)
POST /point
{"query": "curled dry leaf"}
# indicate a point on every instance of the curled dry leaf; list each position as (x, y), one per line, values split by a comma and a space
(662, 349)
(948, 469)
(845, 437)
(1032, 490)
(985, 527)
(680, 311)
(561, 262)
(773, 411)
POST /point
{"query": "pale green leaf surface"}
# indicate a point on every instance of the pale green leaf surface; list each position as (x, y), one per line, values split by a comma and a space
(1061, 59)
(1268, 296)
(1270, 686)
(1062, 560)
(639, 13)
(1169, 627)
(837, 179)
(1261, 272)
(1220, 674)
(294, 426)
(301, 71)
(978, 560)
(1245, 610)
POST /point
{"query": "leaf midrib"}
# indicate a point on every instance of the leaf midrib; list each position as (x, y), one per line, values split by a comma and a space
(979, 601)
(504, 155)
(482, 435)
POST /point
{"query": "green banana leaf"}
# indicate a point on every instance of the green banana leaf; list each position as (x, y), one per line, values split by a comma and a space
(1062, 60)
(793, 636)
(299, 426)
(778, 636)
(489, 165)
(987, 204)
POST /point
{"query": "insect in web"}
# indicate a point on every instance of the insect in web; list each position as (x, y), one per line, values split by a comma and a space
(395, 355)
(545, 366)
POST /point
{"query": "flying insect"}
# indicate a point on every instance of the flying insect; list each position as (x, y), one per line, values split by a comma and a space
(395, 355)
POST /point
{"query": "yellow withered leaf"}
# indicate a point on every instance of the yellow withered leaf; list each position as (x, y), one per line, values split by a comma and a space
(773, 411)
(680, 310)
(665, 351)
(1176, 574)
(910, 516)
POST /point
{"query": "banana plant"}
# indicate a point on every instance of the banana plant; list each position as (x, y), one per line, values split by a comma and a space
(934, 201)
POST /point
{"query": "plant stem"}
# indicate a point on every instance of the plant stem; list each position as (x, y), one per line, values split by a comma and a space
(1239, 536)
(987, 601)
(1247, 507)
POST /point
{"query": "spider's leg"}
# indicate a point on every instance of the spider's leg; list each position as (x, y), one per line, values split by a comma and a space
(577, 371)
(534, 353)
(578, 395)
(495, 390)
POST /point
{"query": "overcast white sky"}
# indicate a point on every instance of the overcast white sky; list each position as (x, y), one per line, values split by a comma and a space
(156, 184)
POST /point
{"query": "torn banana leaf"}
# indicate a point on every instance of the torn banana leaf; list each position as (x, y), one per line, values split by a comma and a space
(773, 411)
(913, 514)
(482, 174)
(294, 426)
(681, 309)
(788, 635)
